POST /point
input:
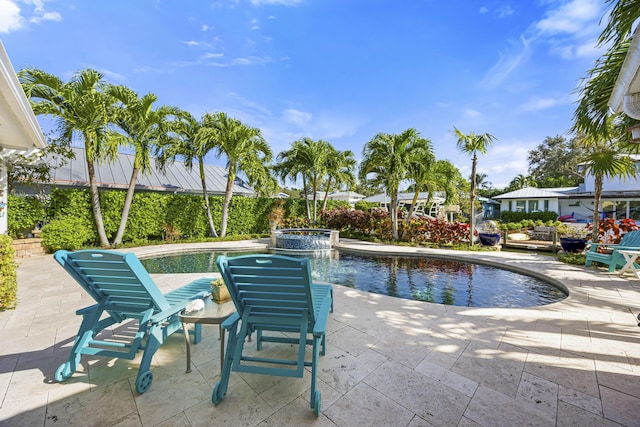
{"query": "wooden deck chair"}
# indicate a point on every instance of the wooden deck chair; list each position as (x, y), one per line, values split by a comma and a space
(275, 297)
(123, 290)
(614, 259)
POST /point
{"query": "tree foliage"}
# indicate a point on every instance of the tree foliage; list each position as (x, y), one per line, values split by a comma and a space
(553, 163)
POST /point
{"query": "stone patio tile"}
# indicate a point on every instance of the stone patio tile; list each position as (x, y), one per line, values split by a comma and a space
(539, 392)
(491, 408)
(580, 400)
(571, 371)
(106, 405)
(241, 407)
(297, 413)
(429, 399)
(365, 406)
(351, 340)
(342, 371)
(448, 378)
(619, 407)
(499, 369)
(572, 416)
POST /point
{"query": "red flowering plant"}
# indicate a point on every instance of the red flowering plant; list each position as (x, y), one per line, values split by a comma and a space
(610, 231)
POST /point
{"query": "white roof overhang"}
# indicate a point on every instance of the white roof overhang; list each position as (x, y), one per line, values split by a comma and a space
(19, 129)
(625, 96)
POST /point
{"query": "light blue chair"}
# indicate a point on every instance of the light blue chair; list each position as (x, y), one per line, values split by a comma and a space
(123, 290)
(274, 295)
(612, 258)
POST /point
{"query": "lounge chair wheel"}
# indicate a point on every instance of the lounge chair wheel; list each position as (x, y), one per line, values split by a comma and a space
(143, 382)
(215, 396)
(63, 372)
(316, 403)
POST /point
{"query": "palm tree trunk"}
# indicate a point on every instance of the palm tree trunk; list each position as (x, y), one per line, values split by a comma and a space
(596, 207)
(127, 206)
(407, 220)
(393, 210)
(473, 197)
(326, 196)
(306, 197)
(212, 228)
(228, 193)
(95, 202)
(315, 198)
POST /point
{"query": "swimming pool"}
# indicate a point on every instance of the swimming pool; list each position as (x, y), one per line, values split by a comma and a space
(419, 278)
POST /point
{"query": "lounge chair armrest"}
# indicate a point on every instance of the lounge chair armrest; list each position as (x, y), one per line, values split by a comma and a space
(83, 311)
(319, 328)
(231, 321)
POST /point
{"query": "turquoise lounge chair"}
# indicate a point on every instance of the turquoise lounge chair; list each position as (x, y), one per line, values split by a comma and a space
(123, 290)
(614, 259)
(273, 294)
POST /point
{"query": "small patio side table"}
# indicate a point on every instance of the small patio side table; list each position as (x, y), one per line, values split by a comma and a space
(212, 314)
(630, 258)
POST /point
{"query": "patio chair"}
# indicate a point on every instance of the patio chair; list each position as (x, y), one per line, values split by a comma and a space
(123, 290)
(274, 294)
(614, 259)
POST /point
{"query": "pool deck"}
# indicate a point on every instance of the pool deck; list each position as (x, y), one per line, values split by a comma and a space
(389, 361)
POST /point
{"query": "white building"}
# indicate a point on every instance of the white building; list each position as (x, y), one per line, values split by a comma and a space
(19, 129)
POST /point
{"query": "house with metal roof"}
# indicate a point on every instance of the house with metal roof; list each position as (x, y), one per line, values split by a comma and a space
(175, 178)
(620, 199)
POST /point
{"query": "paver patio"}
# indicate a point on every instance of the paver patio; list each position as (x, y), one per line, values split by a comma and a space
(389, 361)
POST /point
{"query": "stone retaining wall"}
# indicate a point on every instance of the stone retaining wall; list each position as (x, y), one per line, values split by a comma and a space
(28, 247)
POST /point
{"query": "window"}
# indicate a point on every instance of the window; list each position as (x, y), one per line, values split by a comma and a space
(520, 205)
(634, 210)
(607, 209)
(546, 205)
(621, 210)
(533, 206)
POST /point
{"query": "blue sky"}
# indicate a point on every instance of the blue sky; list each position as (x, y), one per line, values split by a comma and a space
(338, 70)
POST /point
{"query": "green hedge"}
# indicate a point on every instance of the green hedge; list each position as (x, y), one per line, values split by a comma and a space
(8, 276)
(152, 215)
(508, 216)
(25, 214)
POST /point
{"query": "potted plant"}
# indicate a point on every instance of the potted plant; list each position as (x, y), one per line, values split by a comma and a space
(219, 291)
(489, 233)
(573, 237)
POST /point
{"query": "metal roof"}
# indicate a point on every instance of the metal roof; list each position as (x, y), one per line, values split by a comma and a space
(538, 193)
(176, 178)
(402, 197)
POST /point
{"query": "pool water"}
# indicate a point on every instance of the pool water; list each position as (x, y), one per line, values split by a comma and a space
(424, 279)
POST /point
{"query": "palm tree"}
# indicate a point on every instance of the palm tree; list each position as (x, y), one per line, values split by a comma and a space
(306, 158)
(192, 140)
(340, 168)
(521, 181)
(482, 181)
(420, 171)
(473, 144)
(607, 159)
(246, 151)
(142, 128)
(82, 109)
(596, 88)
(387, 157)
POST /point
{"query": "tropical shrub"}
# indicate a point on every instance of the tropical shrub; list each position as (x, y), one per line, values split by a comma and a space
(26, 213)
(611, 231)
(66, 232)
(508, 216)
(8, 275)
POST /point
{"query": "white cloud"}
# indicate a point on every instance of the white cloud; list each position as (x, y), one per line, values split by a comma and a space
(206, 28)
(507, 63)
(537, 104)
(483, 9)
(212, 55)
(297, 117)
(191, 43)
(503, 11)
(470, 112)
(571, 17)
(10, 18)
